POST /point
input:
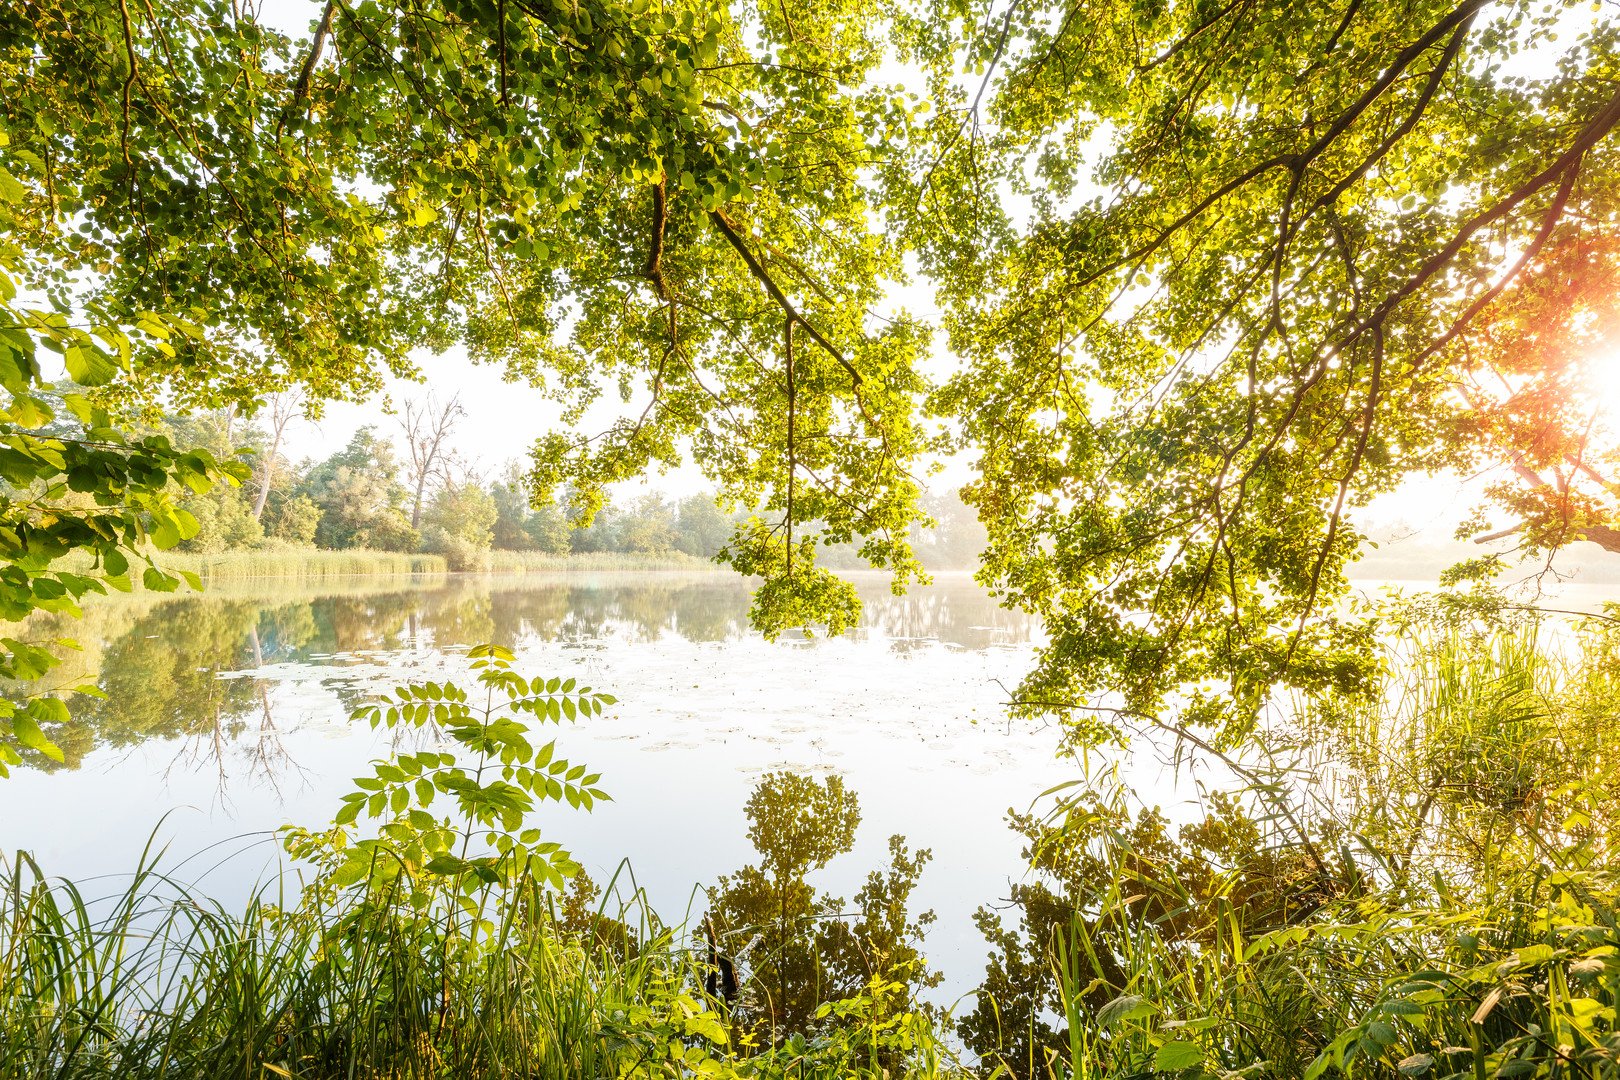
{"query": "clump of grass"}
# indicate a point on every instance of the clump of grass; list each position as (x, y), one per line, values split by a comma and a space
(159, 982)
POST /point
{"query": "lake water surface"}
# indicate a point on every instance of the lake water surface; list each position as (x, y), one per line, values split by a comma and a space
(226, 717)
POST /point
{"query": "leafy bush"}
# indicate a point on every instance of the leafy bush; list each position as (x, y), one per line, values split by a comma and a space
(459, 553)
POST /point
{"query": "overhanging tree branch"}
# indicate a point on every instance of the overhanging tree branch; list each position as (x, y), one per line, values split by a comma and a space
(729, 231)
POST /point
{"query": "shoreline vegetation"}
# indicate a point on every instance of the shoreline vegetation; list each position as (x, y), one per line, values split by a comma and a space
(317, 563)
(1420, 883)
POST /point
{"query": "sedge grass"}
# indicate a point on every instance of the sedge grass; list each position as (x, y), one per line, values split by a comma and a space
(161, 983)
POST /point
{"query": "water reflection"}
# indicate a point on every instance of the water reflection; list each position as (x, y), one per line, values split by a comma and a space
(159, 661)
(796, 946)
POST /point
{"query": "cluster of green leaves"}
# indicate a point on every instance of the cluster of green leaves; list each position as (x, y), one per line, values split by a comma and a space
(76, 484)
(1272, 254)
(433, 858)
(675, 183)
(1498, 1008)
(163, 169)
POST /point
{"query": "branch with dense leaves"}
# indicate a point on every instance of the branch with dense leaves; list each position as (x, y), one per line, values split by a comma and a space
(1310, 232)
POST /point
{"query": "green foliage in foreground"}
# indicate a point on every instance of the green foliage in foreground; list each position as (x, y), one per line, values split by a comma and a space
(1429, 888)
(158, 983)
(435, 948)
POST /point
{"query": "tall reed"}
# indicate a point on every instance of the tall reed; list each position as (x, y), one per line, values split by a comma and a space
(1429, 888)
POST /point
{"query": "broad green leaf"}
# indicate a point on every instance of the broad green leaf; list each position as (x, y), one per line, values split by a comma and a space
(1176, 1056)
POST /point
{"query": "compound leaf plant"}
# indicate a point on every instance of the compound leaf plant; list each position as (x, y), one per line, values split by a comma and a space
(481, 844)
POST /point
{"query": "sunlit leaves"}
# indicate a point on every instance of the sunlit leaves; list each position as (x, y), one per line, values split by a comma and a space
(1224, 324)
(504, 779)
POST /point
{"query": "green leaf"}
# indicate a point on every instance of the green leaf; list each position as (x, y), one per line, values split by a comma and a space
(1125, 1007)
(158, 581)
(29, 734)
(1537, 954)
(1380, 1033)
(1416, 1065)
(87, 365)
(445, 864)
(1175, 1056)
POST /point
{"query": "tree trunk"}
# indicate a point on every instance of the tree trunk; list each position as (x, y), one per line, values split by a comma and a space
(416, 509)
(269, 474)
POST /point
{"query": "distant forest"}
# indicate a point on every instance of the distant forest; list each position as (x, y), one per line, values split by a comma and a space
(369, 495)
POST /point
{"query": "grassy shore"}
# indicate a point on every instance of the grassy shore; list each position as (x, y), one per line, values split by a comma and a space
(316, 564)
(159, 982)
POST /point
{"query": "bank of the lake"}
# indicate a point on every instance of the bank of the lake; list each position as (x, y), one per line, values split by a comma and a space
(318, 564)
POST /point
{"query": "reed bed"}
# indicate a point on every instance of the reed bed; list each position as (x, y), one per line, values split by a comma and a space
(318, 564)
(307, 563)
(160, 982)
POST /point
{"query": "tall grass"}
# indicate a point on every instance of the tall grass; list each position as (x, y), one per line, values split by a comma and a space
(159, 982)
(1432, 888)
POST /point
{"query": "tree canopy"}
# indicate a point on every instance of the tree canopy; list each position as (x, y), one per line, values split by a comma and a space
(672, 201)
(1279, 257)
(1217, 273)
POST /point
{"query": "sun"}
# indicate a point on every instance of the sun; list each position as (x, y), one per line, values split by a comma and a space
(1602, 374)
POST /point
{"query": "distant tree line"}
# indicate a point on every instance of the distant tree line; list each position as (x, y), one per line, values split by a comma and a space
(368, 496)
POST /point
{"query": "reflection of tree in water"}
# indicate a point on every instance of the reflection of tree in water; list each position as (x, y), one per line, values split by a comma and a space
(640, 611)
(157, 659)
(159, 678)
(1223, 872)
(268, 759)
(956, 612)
(359, 623)
(814, 947)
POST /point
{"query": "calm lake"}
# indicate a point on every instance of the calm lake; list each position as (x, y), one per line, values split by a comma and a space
(226, 717)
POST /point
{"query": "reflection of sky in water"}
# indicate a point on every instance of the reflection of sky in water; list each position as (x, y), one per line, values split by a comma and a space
(228, 713)
(229, 710)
